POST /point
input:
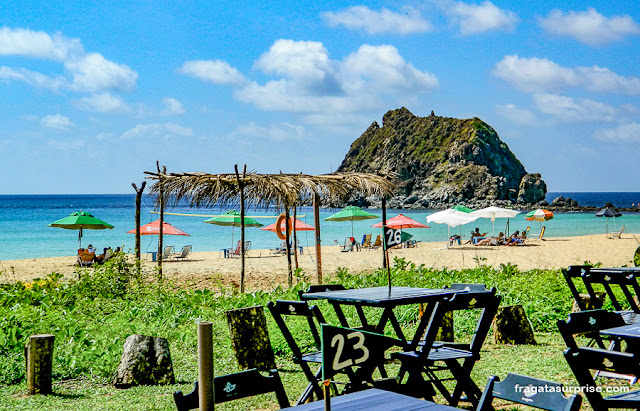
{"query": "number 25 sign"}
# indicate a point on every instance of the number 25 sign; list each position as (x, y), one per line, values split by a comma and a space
(345, 347)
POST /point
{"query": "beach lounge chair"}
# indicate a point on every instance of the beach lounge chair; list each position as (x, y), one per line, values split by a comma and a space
(281, 249)
(237, 252)
(186, 250)
(366, 241)
(86, 259)
(349, 243)
(377, 243)
(538, 236)
(167, 252)
(618, 233)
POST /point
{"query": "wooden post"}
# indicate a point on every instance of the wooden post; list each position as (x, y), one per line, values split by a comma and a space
(138, 206)
(250, 338)
(295, 237)
(205, 366)
(316, 221)
(384, 227)
(241, 191)
(39, 356)
(161, 228)
(287, 224)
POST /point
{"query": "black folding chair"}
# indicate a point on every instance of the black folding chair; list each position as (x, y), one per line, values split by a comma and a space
(583, 360)
(235, 386)
(458, 358)
(570, 275)
(533, 392)
(279, 310)
(588, 323)
(610, 279)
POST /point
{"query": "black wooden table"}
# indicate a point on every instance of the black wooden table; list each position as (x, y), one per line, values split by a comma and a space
(374, 400)
(629, 333)
(387, 299)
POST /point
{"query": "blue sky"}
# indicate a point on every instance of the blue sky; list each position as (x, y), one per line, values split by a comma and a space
(93, 93)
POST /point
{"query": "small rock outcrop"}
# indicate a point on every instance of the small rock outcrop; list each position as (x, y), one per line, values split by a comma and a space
(441, 161)
(145, 361)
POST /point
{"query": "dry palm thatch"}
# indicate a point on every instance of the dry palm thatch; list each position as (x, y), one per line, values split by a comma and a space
(279, 190)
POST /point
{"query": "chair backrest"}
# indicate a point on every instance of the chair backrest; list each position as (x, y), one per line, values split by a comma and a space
(544, 227)
(236, 386)
(569, 274)
(87, 257)
(588, 323)
(166, 253)
(378, 241)
(185, 251)
(247, 246)
(107, 254)
(318, 288)
(281, 308)
(533, 392)
(610, 278)
(583, 360)
(366, 240)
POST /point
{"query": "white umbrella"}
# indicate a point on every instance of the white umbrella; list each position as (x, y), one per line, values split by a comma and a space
(494, 212)
(452, 218)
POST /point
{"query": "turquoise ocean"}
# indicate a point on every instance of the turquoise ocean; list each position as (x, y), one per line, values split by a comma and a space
(24, 218)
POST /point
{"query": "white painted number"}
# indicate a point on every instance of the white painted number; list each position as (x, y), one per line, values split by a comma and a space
(359, 345)
(394, 237)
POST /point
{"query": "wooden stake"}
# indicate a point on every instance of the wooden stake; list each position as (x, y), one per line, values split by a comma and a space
(295, 237)
(316, 221)
(138, 206)
(205, 366)
(161, 228)
(241, 191)
(287, 224)
(39, 356)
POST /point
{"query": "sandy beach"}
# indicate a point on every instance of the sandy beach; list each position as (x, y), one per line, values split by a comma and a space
(265, 271)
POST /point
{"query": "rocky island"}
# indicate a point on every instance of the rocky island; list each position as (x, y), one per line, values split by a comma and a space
(441, 161)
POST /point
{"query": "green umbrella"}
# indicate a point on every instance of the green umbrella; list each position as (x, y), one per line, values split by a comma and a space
(81, 220)
(351, 213)
(462, 208)
(232, 219)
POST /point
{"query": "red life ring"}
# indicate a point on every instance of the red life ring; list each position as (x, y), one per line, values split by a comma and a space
(279, 232)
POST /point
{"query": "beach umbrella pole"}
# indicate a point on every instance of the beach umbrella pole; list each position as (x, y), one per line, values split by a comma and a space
(316, 220)
(80, 238)
(241, 191)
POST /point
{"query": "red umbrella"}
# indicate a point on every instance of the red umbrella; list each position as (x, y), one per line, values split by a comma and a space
(153, 228)
(300, 226)
(400, 222)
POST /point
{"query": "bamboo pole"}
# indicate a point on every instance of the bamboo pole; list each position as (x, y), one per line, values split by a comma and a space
(295, 237)
(205, 366)
(316, 221)
(39, 356)
(241, 192)
(138, 206)
(161, 228)
(287, 224)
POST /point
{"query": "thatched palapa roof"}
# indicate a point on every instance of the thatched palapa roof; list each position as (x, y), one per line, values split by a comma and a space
(280, 190)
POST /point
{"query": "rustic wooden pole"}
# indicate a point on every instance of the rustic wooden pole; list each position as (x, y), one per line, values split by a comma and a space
(250, 338)
(295, 237)
(205, 366)
(161, 228)
(138, 206)
(384, 228)
(316, 221)
(39, 355)
(287, 224)
(241, 191)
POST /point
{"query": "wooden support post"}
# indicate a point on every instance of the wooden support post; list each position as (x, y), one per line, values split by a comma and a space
(241, 191)
(205, 366)
(384, 228)
(250, 338)
(287, 224)
(39, 356)
(138, 206)
(161, 228)
(295, 237)
(316, 221)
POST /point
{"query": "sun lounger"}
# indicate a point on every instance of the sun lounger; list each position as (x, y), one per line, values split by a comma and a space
(618, 233)
(167, 252)
(86, 259)
(366, 241)
(186, 250)
(349, 243)
(377, 243)
(540, 235)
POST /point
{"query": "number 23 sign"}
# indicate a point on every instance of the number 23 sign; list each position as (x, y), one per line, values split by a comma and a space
(345, 347)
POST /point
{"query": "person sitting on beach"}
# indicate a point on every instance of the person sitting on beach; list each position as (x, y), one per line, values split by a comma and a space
(515, 239)
(474, 234)
(90, 249)
(499, 240)
(100, 258)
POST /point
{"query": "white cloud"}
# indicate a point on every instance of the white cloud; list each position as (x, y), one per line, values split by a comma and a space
(214, 71)
(275, 132)
(624, 133)
(479, 18)
(568, 109)
(84, 72)
(517, 115)
(57, 122)
(37, 44)
(166, 131)
(590, 27)
(172, 107)
(541, 75)
(408, 20)
(103, 103)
